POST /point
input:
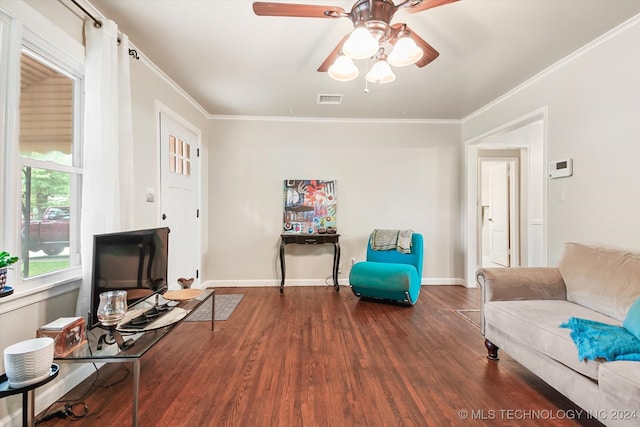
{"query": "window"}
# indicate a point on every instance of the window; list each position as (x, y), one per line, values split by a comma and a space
(179, 156)
(48, 159)
(41, 86)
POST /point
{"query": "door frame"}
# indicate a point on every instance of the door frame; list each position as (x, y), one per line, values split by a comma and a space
(514, 206)
(471, 201)
(162, 109)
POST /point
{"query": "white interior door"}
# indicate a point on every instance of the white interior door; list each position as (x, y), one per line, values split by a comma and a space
(179, 200)
(499, 216)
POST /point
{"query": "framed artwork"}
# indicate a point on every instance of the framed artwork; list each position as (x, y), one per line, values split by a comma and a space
(309, 206)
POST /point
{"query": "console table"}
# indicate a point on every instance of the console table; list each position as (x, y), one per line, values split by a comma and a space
(143, 341)
(311, 239)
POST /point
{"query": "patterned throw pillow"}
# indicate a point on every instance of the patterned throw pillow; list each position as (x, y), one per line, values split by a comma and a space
(632, 320)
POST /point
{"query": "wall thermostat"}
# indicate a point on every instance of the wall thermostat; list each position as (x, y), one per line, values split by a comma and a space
(561, 168)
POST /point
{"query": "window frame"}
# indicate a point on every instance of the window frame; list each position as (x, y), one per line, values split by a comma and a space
(74, 170)
(64, 54)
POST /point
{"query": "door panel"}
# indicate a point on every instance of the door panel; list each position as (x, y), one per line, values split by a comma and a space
(179, 201)
(499, 219)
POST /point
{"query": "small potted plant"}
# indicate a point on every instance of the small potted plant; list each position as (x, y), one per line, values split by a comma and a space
(5, 261)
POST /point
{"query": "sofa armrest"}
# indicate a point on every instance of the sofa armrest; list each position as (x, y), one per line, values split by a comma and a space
(521, 283)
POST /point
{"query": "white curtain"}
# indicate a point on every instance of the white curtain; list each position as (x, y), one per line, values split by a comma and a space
(107, 195)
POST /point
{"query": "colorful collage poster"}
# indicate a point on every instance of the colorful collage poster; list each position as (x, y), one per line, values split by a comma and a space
(309, 207)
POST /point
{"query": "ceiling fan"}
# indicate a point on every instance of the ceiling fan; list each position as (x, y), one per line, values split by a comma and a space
(373, 36)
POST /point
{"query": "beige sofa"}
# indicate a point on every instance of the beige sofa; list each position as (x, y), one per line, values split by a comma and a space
(523, 307)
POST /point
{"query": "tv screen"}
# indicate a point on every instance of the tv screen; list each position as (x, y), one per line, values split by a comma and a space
(134, 261)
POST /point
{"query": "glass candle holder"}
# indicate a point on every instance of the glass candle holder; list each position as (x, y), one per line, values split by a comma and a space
(112, 307)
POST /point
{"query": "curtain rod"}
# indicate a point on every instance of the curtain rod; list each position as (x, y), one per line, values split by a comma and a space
(96, 22)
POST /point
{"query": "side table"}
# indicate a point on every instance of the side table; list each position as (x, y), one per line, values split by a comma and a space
(311, 239)
(28, 395)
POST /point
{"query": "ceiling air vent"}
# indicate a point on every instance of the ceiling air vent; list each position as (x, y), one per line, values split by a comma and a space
(329, 99)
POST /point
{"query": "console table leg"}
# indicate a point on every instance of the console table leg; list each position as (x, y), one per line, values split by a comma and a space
(136, 386)
(336, 265)
(282, 267)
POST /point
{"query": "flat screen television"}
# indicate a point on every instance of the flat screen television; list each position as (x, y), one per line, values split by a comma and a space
(134, 261)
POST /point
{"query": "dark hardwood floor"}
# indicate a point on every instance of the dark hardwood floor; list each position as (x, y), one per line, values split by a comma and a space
(315, 357)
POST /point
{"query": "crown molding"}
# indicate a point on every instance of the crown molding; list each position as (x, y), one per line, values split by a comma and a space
(609, 35)
(337, 120)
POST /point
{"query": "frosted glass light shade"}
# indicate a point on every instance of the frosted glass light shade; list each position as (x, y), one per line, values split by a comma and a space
(360, 44)
(405, 52)
(380, 73)
(343, 69)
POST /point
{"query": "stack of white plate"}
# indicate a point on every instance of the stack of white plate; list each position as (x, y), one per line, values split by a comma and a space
(28, 362)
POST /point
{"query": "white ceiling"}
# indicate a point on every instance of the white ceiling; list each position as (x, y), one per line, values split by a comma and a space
(233, 62)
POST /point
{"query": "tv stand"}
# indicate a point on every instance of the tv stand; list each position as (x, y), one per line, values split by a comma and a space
(144, 339)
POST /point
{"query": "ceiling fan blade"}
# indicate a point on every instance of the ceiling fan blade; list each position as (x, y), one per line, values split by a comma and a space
(428, 4)
(324, 67)
(296, 10)
(429, 52)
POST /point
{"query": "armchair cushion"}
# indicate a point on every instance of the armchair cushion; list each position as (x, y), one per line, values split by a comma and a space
(384, 276)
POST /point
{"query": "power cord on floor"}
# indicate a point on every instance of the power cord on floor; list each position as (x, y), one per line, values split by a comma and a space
(78, 409)
(68, 411)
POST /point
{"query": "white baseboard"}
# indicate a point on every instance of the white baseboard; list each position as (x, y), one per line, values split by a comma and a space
(311, 282)
(440, 282)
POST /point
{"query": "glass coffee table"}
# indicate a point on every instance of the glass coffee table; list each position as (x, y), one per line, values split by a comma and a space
(139, 338)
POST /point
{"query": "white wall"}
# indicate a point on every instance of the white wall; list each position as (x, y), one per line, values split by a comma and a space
(593, 109)
(389, 175)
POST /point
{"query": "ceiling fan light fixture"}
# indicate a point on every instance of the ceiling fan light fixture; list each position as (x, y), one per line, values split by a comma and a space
(343, 69)
(380, 72)
(360, 44)
(405, 52)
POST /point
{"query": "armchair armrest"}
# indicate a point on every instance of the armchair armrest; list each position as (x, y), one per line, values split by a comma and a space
(521, 283)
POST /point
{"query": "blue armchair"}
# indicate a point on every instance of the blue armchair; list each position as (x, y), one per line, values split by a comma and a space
(389, 274)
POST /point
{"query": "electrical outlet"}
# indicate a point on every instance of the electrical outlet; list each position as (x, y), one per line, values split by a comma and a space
(339, 269)
(353, 261)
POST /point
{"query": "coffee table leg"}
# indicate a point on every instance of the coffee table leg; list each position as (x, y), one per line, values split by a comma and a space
(136, 386)
(213, 307)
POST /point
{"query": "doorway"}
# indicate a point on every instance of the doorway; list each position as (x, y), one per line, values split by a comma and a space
(526, 135)
(179, 160)
(499, 210)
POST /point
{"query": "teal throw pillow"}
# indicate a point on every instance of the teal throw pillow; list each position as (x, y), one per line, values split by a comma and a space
(632, 321)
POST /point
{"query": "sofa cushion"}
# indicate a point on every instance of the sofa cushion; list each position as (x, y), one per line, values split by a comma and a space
(622, 381)
(537, 324)
(605, 280)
